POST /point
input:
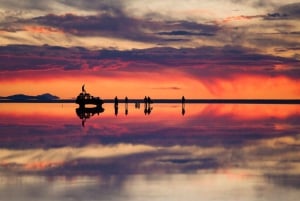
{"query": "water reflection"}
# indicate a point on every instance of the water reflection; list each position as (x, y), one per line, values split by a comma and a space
(85, 113)
(183, 105)
(219, 152)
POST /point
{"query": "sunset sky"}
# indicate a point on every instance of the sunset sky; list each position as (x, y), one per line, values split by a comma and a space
(162, 49)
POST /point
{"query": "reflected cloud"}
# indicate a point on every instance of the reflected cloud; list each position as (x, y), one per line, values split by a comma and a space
(276, 156)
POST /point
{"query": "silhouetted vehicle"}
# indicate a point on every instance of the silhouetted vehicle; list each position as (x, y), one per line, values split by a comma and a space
(85, 98)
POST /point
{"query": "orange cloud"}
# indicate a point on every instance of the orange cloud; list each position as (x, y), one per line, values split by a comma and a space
(41, 29)
(240, 18)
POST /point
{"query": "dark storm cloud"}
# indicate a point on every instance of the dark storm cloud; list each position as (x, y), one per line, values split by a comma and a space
(256, 3)
(190, 25)
(204, 62)
(96, 5)
(289, 11)
(284, 180)
(116, 23)
(113, 20)
(185, 33)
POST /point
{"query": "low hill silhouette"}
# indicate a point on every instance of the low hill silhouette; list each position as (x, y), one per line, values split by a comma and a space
(23, 97)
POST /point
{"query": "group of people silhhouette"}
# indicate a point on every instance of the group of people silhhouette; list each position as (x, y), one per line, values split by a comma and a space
(116, 105)
(147, 105)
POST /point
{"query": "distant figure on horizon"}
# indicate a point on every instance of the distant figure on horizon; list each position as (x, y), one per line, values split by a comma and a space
(149, 101)
(116, 105)
(116, 101)
(183, 105)
(183, 100)
(147, 106)
(145, 101)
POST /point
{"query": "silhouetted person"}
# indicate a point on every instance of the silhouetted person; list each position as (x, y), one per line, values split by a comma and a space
(149, 101)
(82, 89)
(126, 106)
(116, 101)
(183, 105)
(116, 105)
(183, 101)
(145, 101)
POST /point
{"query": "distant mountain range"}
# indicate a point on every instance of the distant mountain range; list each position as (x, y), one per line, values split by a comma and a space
(23, 97)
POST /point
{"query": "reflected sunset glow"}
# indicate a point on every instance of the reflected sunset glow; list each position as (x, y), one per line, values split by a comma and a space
(150, 100)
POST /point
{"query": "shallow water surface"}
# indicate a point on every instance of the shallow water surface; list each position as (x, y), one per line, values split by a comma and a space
(201, 151)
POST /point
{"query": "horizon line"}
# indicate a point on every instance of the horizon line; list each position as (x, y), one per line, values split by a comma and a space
(211, 100)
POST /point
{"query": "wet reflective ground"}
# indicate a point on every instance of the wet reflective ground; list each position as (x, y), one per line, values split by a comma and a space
(207, 152)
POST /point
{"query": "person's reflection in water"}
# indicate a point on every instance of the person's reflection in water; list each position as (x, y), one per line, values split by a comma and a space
(145, 109)
(126, 105)
(147, 106)
(137, 105)
(116, 106)
(183, 106)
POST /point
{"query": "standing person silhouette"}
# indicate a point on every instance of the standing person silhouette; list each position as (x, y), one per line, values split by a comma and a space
(145, 101)
(183, 105)
(183, 101)
(82, 89)
(116, 105)
(116, 101)
(126, 105)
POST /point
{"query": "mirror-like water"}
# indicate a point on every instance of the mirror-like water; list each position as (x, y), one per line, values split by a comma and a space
(201, 151)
